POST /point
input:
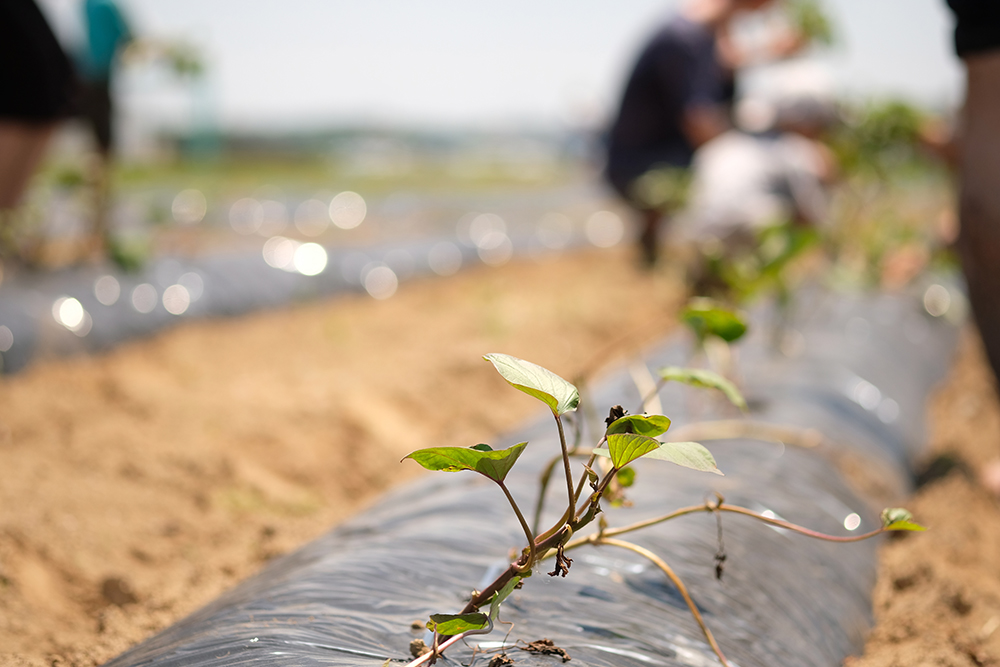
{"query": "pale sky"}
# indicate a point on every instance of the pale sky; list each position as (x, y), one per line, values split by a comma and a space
(482, 63)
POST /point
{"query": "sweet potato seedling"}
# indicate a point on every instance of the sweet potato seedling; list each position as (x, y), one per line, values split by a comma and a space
(625, 439)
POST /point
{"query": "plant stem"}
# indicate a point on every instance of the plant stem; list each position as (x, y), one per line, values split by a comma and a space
(524, 525)
(666, 569)
(439, 648)
(565, 458)
(722, 507)
(542, 488)
(583, 478)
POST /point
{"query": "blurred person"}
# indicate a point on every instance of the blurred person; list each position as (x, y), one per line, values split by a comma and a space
(977, 43)
(676, 99)
(107, 34)
(774, 173)
(747, 180)
(36, 92)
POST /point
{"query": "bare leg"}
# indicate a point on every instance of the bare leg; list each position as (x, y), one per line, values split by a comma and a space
(22, 146)
(979, 201)
(979, 210)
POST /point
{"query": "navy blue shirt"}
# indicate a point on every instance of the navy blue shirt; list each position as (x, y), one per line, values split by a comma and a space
(677, 70)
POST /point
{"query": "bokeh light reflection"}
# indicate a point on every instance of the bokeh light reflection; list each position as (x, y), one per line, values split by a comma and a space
(193, 283)
(6, 339)
(144, 298)
(312, 217)
(348, 210)
(445, 258)
(310, 259)
(380, 281)
(604, 229)
(495, 249)
(485, 226)
(107, 290)
(274, 217)
(554, 231)
(937, 300)
(70, 313)
(279, 252)
(246, 215)
(176, 299)
(189, 207)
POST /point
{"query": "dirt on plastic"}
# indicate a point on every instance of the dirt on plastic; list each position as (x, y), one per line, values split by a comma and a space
(138, 485)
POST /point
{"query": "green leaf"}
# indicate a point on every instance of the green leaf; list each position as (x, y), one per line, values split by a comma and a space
(897, 518)
(483, 447)
(648, 425)
(626, 477)
(706, 318)
(701, 377)
(501, 595)
(492, 464)
(627, 447)
(456, 624)
(686, 454)
(532, 379)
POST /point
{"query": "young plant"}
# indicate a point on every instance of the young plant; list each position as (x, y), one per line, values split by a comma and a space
(626, 439)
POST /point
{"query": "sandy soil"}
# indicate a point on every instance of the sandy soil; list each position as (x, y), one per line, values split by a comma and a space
(137, 486)
(937, 600)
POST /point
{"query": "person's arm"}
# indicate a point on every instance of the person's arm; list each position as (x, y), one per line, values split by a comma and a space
(704, 122)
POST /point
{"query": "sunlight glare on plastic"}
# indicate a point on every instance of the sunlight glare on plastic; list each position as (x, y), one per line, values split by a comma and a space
(310, 259)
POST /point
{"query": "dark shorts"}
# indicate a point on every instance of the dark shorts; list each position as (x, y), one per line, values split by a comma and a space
(977, 26)
(37, 83)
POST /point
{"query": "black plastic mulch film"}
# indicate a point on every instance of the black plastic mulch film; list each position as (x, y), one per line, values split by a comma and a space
(865, 368)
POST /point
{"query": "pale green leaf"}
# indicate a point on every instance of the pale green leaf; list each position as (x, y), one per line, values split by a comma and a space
(897, 518)
(492, 464)
(532, 379)
(456, 624)
(647, 425)
(501, 595)
(686, 454)
(706, 379)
